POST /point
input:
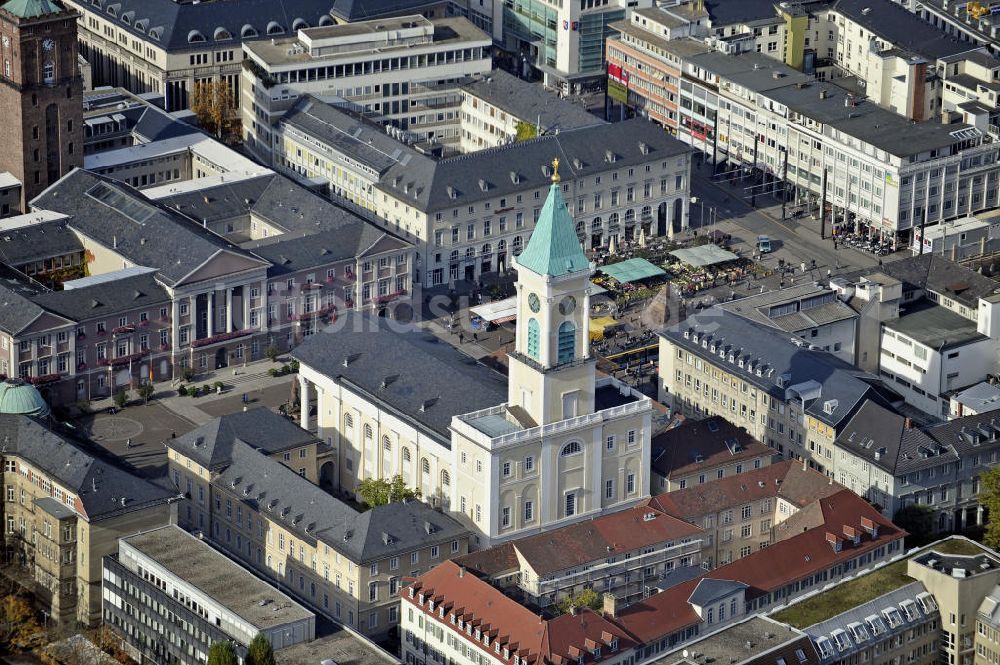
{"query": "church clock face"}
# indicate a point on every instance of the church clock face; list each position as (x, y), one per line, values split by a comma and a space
(48, 44)
(534, 303)
(567, 305)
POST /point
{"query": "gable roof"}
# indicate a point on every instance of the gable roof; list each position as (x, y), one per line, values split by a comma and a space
(102, 298)
(432, 185)
(303, 507)
(786, 480)
(553, 248)
(103, 489)
(716, 441)
(407, 369)
(146, 232)
(820, 379)
(525, 634)
(211, 444)
(585, 542)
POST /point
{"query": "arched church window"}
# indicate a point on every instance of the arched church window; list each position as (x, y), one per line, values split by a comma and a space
(567, 342)
(534, 335)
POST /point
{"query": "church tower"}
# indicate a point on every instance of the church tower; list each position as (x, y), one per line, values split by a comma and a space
(41, 99)
(552, 373)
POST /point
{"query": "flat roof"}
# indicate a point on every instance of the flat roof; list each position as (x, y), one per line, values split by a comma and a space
(935, 326)
(280, 52)
(704, 255)
(340, 646)
(229, 584)
(632, 270)
(530, 103)
(740, 642)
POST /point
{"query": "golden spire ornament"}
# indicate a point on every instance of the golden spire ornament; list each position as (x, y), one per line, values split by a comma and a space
(555, 169)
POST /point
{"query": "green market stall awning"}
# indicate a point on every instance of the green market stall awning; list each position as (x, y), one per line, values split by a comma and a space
(633, 270)
(704, 255)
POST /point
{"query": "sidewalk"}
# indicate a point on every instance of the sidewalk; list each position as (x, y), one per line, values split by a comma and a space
(251, 378)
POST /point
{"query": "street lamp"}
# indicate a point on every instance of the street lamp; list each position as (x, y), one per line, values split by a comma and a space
(701, 203)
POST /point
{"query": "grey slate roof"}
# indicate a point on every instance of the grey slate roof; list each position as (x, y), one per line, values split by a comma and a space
(530, 103)
(709, 590)
(880, 436)
(36, 242)
(154, 124)
(169, 24)
(360, 10)
(272, 488)
(426, 380)
(935, 326)
(347, 133)
(756, 308)
(427, 183)
(105, 298)
(727, 12)
(17, 310)
(935, 273)
(211, 444)
(146, 232)
(99, 485)
(778, 354)
(902, 28)
(301, 253)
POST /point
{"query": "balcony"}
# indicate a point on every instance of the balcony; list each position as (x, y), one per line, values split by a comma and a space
(222, 337)
(45, 379)
(123, 360)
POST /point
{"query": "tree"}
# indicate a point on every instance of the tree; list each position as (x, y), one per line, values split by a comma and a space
(525, 131)
(586, 598)
(222, 653)
(917, 520)
(146, 391)
(121, 398)
(19, 627)
(215, 108)
(989, 497)
(378, 491)
(259, 652)
(272, 353)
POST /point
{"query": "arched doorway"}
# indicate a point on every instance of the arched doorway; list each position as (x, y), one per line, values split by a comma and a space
(677, 219)
(661, 219)
(221, 358)
(326, 475)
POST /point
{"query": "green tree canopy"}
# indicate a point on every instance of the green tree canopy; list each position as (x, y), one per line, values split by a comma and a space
(222, 653)
(586, 598)
(989, 497)
(526, 130)
(259, 652)
(378, 491)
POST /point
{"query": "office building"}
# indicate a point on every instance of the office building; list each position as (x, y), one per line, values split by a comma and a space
(171, 596)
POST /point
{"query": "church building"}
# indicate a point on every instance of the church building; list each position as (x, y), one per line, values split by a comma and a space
(556, 444)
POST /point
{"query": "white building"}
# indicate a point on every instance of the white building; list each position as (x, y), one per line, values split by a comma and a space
(554, 445)
(397, 70)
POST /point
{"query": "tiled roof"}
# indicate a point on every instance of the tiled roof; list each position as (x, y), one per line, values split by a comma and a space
(569, 638)
(585, 542)
(787, 480)
(715, 440)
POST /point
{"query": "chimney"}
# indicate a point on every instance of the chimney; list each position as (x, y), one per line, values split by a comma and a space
(907, 423)
(610, 605)
(461, 571)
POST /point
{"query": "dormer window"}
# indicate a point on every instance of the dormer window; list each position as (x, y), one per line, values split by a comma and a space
(411, 593)
(496, 647)
(451, 618)
(597, 652)
(614, 644)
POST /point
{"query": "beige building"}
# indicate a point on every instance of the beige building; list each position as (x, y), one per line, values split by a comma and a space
(63, 510)
(246, 488)
(553, 446)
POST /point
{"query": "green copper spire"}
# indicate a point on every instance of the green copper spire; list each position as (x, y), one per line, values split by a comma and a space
(31, 8)
(554, 249)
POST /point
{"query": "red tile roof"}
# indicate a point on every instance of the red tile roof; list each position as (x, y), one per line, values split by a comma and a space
(522, 632)
(675, 451)
(584, 542)
(786, 479)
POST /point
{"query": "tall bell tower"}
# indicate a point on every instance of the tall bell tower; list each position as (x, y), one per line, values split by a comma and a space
(41, 96)
(552, 373)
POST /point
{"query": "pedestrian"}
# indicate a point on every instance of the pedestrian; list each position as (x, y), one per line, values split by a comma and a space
(128, 443)
(246, 400)
(173, 435)
(475, 337)
(461, 338)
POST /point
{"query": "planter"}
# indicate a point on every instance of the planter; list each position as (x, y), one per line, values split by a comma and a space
(42, 380)
(223, 337)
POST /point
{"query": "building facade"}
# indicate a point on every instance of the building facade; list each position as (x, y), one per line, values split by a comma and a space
(401, 71)
(553, 446)
(338, 562)
(63, 510)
